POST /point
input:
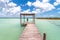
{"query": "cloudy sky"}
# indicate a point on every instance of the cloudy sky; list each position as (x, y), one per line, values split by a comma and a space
(42, 8)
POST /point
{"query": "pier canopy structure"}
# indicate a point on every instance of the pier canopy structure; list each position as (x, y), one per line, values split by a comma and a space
(24, 20)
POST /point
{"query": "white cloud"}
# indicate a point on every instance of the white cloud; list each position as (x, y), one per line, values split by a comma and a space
(9, 8)
(44, 6)
(11, 4)
(45, 1)
(29, 3)
(51, 15)
(2, 4)
(57, 3)
(5, 0)
(2, 15)
(41, 6)
(26, 11)
(36, 4)
(15, 9)
(36, 11)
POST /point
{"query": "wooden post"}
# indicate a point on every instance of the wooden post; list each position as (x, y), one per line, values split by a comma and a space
(20, 19)
(44, 36)
(34, 18)
(27, 19)
(24, 18)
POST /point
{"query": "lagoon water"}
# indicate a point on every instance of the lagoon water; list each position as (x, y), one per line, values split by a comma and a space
(10, 29)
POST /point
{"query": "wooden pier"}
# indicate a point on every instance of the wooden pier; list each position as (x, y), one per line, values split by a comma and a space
(30, 33)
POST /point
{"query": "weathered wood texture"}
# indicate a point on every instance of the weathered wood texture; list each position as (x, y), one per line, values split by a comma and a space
(30, 33)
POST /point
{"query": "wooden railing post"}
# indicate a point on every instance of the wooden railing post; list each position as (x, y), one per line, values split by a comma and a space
(44, 36)
(27, 19)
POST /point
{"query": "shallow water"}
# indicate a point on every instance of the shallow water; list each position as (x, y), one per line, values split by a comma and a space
(50, 27)
(10, 29)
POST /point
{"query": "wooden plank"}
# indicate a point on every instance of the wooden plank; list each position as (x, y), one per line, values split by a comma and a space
(31, 33)
(27, 14)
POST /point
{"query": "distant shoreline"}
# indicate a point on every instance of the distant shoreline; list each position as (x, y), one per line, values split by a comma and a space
(49, 18)
(30, 18)
(9, 18)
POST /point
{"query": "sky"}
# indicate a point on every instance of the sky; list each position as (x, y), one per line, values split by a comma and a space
(42, 8)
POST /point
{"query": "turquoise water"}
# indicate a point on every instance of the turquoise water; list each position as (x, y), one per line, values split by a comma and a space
(50, 27)
(10, 29)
